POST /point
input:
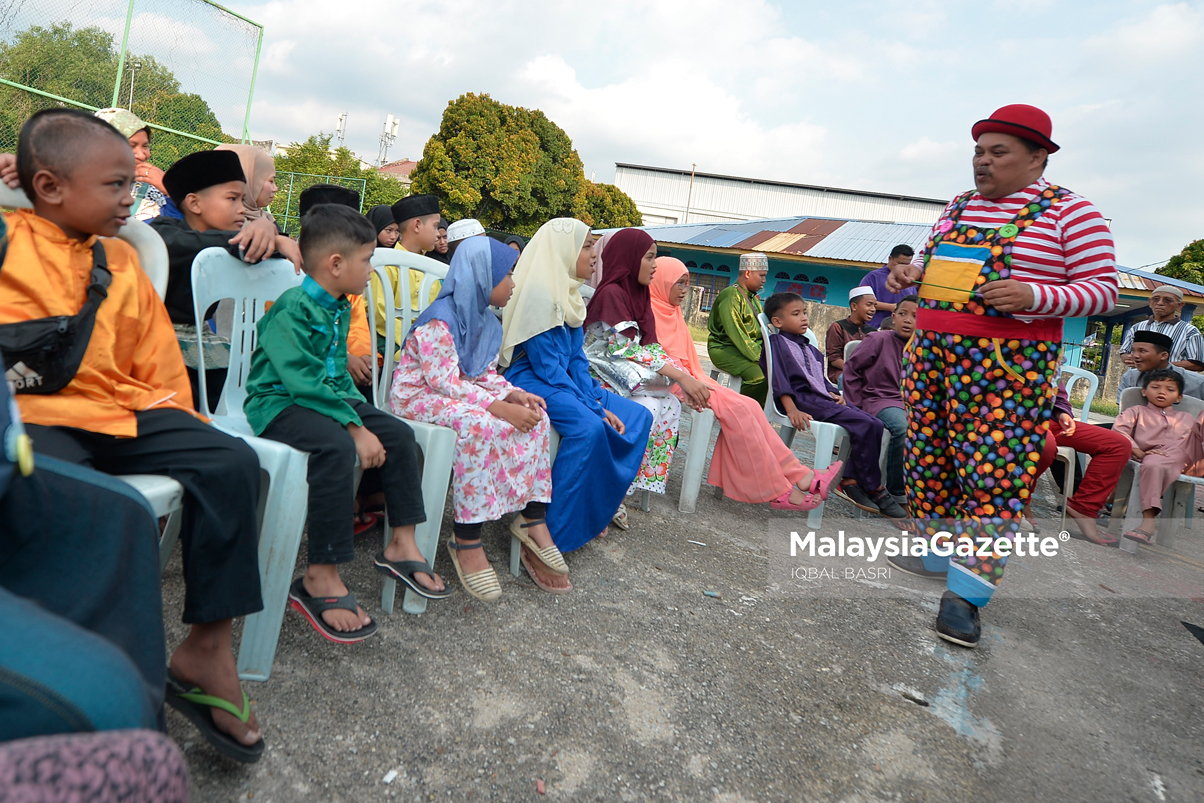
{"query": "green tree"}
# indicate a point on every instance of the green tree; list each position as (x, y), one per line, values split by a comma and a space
(1187, 265)
(605, 206)
(81, 64)
(318, 164)
(509, 167)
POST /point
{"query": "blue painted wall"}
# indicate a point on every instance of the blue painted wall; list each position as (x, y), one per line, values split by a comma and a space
(828, 284)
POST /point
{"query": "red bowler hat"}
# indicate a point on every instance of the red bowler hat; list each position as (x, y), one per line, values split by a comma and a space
(1019, 120)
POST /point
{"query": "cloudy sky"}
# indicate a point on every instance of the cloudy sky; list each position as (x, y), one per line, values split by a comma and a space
(867, 95)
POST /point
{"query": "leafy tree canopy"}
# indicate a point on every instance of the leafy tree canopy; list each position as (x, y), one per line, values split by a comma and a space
(81, 64)
(322, 164)
(1187, 265)
(509, 167)
(605, 206)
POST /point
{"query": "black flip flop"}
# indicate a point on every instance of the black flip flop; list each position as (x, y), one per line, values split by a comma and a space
(196, 706)
(313, 607)
(403, 571)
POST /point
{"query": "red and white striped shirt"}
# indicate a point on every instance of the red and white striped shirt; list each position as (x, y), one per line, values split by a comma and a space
(1067, 255)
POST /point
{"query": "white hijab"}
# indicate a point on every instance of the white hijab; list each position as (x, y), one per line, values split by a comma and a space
(546, 288)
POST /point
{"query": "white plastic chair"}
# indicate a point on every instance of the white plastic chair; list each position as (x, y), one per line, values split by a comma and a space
(283, 493)
(405, 261)
(438, 444)
(1066, 455)
(1178, 503)
(827, 436)
(163, 494)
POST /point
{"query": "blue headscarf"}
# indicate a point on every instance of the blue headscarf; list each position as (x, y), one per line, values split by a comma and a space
(479, 265)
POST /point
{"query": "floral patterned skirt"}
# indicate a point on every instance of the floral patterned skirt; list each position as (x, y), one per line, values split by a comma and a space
(662, 440)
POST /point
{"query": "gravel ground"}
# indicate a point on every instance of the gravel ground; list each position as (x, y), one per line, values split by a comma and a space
(637, 686)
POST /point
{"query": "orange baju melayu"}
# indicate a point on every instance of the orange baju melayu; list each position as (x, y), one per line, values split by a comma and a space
(133, 362)
(750, 462)
(128, 409)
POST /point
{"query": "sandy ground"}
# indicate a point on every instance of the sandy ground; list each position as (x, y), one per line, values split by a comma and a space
(637, 686)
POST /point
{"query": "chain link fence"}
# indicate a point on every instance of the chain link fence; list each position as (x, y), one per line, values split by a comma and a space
(187, 67)
(286, 206)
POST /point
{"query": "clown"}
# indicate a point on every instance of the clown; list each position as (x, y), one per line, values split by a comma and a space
(1004, 265)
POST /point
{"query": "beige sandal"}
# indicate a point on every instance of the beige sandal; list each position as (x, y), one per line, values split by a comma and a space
(550, 555)
(484, 584)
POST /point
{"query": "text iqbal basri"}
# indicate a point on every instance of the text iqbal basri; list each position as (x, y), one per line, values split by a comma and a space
(942, 544)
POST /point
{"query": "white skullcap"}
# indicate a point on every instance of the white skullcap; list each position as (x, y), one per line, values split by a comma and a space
(462, 229)
(859, 291)
(754, 262)
(1166, 288)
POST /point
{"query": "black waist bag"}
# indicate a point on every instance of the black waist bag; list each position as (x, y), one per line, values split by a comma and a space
(43, 355)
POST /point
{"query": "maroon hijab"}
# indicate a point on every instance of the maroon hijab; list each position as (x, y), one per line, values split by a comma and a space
(620, 296)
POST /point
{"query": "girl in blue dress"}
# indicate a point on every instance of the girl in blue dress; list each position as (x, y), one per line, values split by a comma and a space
(602, 435)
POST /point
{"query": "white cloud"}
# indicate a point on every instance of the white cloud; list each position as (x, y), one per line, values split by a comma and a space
(1167, 32)
(870, 95)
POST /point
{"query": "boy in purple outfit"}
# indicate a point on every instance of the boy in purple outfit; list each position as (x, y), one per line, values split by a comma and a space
(803, 393)
(876, 280)
(873, 380)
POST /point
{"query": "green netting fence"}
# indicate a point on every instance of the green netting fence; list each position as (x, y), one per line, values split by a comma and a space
(289, 186)
(187, 67)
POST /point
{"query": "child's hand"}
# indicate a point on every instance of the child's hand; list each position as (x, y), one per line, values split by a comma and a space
(524, 419)
(615, 422)
(698, 395)
(367, 446)
(836, 397)
(360, 368)
(1067, 423)
(800, 420)
(1137, 453)
(288, 248)
(257, 238)
(528, 400)
(8, 171)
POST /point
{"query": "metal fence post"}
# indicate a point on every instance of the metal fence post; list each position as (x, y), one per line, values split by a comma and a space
(125, 40)
(246, 123)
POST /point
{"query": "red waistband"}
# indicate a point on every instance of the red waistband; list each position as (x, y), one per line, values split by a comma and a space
(970, 325)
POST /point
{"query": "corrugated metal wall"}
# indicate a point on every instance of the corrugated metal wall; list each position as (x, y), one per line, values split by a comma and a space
(714, 200)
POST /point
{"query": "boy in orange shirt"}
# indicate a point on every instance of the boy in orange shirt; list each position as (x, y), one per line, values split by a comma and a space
(126, 409)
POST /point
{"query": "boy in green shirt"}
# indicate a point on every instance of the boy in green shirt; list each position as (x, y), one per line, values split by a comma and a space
(300, 393)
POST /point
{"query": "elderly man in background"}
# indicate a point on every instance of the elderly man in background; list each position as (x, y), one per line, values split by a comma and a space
(734, 335)
(1187, 344)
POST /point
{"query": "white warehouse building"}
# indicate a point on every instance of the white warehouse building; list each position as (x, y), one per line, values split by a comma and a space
(667, 195)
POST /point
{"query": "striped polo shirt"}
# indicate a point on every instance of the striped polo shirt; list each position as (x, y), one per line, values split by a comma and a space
(1186, 341)
(1067, 255)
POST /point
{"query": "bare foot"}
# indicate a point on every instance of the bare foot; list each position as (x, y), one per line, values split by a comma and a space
(403, 547)
(539, 533)
(322, 580)
(472, 560)
(539, 571)
(1087, 525)
(205, 659)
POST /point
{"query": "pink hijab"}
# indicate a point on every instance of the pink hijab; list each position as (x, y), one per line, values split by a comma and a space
(671, 330)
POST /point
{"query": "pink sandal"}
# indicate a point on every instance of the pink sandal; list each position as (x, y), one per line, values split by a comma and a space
(810, 502)
(821, 481)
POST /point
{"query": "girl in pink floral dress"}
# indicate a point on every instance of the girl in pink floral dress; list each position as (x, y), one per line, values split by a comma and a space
(447, 375)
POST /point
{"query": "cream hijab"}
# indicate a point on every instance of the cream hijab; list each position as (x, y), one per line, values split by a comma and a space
(546, 288)
(258, 167)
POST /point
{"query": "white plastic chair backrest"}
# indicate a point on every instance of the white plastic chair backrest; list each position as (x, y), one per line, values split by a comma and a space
(849, 347)
(1074, 376)
(216, 275)
(152, 253)
(587, 292)
(432, 271)
(382, 374)
(771, 404)
(1131, 397)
